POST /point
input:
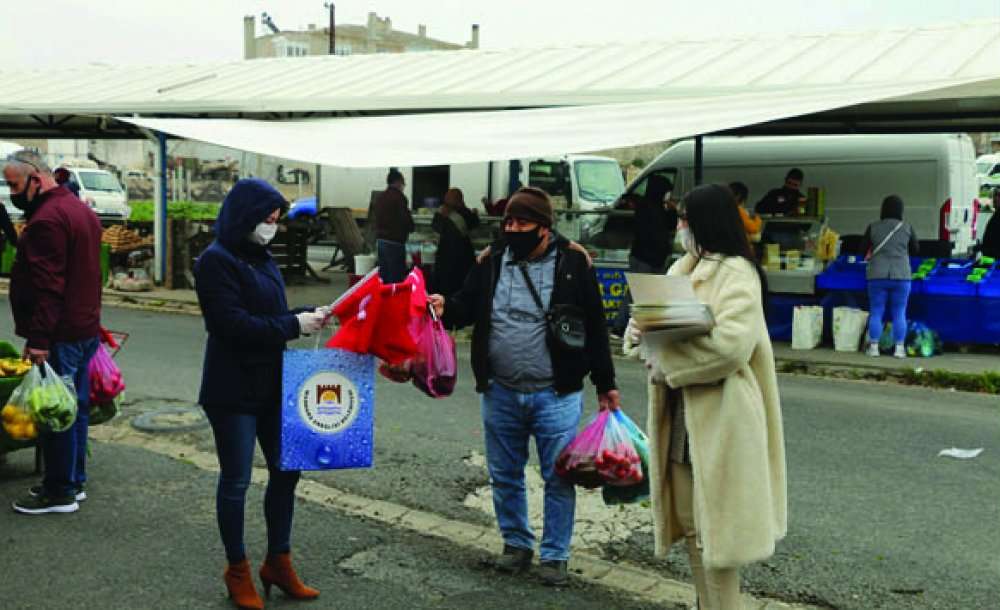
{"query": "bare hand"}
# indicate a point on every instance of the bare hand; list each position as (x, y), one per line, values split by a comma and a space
(485, 254)
(437, 302)
(610, 401)
(36, 356)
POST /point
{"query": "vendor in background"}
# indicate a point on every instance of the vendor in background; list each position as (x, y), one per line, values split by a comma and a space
(655, 224)
(751, 221)
(890, 243)
(785, 199)
(393, 225)
(991, 238)
(455, 255)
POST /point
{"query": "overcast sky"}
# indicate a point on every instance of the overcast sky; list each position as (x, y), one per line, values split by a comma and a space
(52, 32)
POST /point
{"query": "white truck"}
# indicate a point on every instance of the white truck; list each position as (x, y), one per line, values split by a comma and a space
(576, 182)
(935, 174)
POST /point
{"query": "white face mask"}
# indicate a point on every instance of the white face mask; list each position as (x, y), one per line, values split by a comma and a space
(264, 233)
(687, 241)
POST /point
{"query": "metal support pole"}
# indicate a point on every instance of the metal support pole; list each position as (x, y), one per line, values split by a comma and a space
(699, 160)
(160, 210)
(333, 27)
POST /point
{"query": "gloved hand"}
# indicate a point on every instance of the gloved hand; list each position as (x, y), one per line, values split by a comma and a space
(310, 322)
(325, 311)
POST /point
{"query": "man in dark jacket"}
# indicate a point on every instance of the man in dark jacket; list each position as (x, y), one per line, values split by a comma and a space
(785, 199)
(393, 225)
(55, 297)
(531, 386)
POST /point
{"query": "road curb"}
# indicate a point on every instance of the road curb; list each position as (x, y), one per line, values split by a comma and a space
(627, 578)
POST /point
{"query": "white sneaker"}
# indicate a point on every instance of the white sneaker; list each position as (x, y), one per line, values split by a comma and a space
(873, 350)
(900, 351)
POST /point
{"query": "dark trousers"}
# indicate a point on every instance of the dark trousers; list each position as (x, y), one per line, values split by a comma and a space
(235, 436)
(65, 453)
(391, 260)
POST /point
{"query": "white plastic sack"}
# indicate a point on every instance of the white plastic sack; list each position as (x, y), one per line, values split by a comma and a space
(807, 326)
(849, 326)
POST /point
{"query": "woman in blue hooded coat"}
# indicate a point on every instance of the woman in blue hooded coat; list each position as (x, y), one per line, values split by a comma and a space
(242, 299)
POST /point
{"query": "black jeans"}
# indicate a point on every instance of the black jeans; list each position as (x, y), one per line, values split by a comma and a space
(234, 442)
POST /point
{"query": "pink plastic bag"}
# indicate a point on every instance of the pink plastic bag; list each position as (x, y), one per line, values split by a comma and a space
(601, 454)
(105, 377)
(435, 368)
(577, 462)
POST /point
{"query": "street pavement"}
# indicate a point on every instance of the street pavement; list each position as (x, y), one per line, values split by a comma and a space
(877, 520)
(146, 539)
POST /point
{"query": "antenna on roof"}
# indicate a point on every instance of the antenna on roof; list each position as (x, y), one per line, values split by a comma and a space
(265, 19)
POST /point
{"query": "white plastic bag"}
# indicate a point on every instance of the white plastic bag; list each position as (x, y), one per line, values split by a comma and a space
(807, 326)
(849, 326)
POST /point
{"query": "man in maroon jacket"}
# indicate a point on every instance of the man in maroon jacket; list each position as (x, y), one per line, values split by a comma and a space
(55, 296)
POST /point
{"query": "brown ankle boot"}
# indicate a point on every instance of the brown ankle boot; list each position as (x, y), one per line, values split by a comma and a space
(239, 582)
(278, 570)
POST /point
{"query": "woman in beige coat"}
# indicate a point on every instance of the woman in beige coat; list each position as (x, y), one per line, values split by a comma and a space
(717, 471)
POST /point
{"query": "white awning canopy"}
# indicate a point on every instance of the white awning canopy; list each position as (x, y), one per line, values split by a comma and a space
(76, 102)
(445, 138)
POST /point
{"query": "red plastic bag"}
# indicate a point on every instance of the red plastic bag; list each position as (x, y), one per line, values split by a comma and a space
(601, 454)
(375, 318)
(434, 368)
(106, 381)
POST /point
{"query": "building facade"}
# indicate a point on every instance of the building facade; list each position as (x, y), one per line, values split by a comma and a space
(377, 36)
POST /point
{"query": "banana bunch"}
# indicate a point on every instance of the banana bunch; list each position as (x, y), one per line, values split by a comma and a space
(14, 367)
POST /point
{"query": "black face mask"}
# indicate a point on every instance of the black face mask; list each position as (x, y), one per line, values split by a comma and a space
(20, 200)
(522, 243)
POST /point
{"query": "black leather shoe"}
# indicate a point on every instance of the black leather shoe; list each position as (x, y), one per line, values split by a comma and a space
(554, 573)
(514, 560)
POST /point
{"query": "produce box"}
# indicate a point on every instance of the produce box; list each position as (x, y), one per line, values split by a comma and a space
(327, 410)
(8, 383)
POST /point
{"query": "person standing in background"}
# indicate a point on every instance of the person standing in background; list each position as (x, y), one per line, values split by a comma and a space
(785, 199)
(890, 243)
(655, 224)
(393, 225)
(455, 254)
(751, 221)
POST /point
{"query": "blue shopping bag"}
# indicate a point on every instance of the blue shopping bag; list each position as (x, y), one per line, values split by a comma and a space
(327, 410)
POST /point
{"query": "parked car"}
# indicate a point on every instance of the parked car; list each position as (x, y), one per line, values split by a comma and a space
(101, 191)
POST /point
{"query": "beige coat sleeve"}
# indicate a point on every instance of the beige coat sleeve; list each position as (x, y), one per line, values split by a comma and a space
(728, 348)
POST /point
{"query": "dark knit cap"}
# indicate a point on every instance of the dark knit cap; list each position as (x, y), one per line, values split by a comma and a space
(531, 204)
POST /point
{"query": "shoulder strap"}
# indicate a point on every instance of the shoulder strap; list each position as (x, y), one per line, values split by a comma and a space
(523, 266)
(887, 238)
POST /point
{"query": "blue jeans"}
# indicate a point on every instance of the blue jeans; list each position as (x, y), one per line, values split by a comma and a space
(891, 293)
(235, 434)
(65, 453)
(510, 419)
(391, 260)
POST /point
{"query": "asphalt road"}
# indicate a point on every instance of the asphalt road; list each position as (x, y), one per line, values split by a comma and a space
(877, 520)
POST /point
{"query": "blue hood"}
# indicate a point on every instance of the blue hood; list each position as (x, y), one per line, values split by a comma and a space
(248, 203)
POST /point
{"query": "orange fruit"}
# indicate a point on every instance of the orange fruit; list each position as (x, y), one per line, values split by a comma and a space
(8, 413)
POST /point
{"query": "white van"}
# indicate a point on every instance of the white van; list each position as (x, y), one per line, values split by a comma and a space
(101, 191)
(935, 174)
(988, 171)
